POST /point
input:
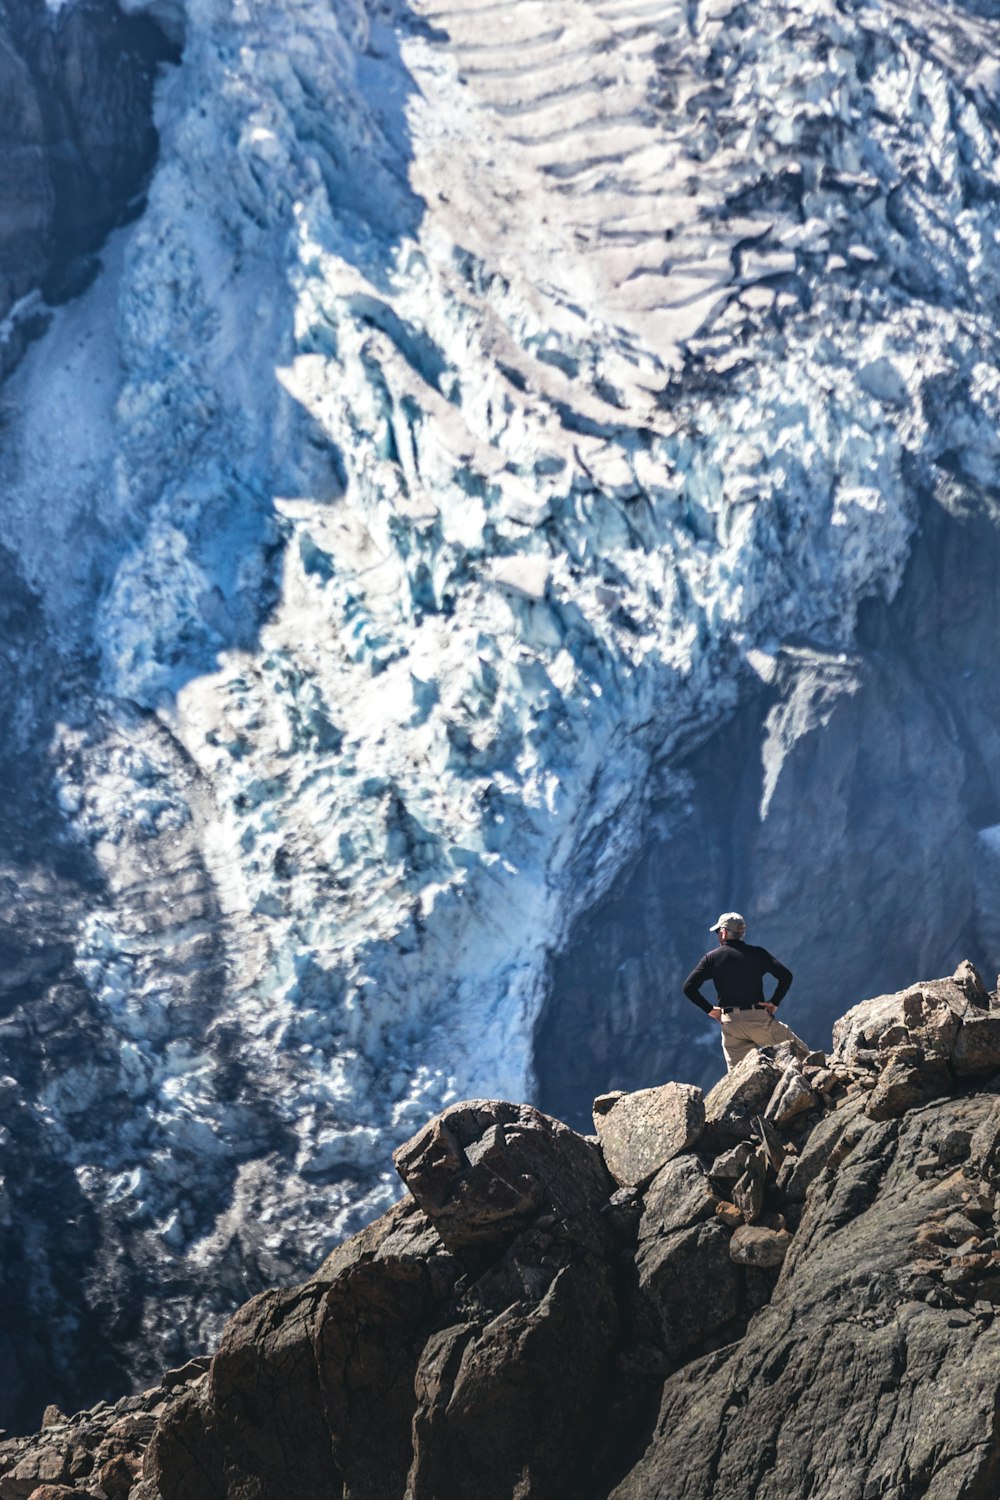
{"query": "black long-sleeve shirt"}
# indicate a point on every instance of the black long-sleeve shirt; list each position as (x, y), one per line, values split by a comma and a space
(737, 970)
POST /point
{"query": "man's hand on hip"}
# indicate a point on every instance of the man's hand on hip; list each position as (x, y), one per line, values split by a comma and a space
(716, 1012)
(769, 1007)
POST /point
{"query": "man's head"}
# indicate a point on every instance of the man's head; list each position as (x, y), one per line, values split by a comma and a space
(729, 925)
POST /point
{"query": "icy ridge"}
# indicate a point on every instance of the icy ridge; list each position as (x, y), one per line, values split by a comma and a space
(491, 390)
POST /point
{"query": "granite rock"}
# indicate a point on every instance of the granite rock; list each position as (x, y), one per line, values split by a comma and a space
(731, 1106)
(641, 1131)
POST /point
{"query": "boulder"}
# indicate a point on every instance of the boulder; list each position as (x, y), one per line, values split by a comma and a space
(483, 1169)
(688, 1285)
(117, 1475)
(61, 1492)
(679, 1195)
(759, 1244)
(791, 1098)
(47, 1466)
(902, 1086)
(481, 1384)
(970, 981)
(976, 1048)
(748, 1191)
(732, 1163)
(642, 1131)
(731, 1105)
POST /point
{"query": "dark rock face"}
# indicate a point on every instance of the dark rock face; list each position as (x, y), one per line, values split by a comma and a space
(77, 143)
(809, 1310)
(419, 1362)
(853, 1380)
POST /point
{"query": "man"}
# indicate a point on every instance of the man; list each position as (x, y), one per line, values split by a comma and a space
(737, 970)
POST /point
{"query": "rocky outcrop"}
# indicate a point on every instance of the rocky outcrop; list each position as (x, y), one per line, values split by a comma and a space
(800, 1299)
(94, 1453)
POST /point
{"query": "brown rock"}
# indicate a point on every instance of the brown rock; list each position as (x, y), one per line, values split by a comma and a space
(52, 1417)
(933, 1008)
(47, 1465)
(728, 1215)
(642, 1131)
(759, 1245)
(976, 1048)
(969, 979)
(59, 1492)
(748, 1191)
(481, 1170)
(902, 1087)
(117, 1476)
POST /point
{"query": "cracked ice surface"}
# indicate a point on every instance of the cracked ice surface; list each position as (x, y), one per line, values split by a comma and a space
(485, 392)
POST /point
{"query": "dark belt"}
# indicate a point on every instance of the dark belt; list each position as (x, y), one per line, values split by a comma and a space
(728, 1009)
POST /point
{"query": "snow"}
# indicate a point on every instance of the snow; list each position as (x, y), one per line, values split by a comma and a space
(425, 476)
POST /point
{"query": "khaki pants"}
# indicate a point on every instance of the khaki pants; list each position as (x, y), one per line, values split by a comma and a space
(743, 1030)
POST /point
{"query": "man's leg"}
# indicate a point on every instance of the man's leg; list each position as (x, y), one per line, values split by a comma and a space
(737, 1040)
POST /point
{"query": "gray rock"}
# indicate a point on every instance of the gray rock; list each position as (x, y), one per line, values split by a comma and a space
(800, 1172)
(792, 1097)
(78, 141)
(984, 1148)
(679, 1195)
(735, 1100)
(642, 1131)
(688, 1285)
(748, 1191)
(732, 1163)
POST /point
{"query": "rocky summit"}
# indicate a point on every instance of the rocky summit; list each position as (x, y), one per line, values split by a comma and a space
(786, 1288)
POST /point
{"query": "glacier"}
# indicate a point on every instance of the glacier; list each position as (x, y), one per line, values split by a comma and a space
(495, 410)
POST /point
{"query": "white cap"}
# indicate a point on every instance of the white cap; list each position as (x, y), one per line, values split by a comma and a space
(731, 920)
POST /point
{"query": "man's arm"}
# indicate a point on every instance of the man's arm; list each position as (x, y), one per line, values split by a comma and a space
(693, 983)
(782, 975)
